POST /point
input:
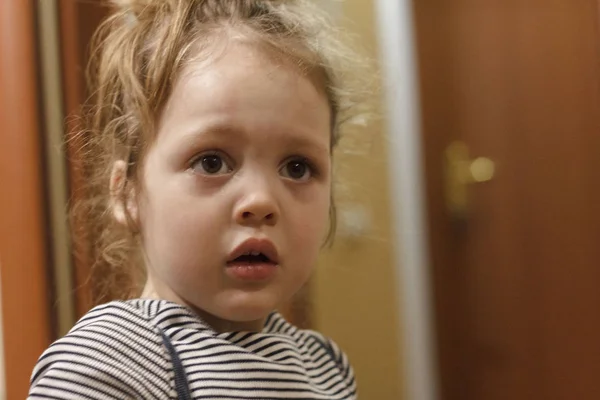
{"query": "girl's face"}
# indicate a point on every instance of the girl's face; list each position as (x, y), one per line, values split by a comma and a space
(241, 164)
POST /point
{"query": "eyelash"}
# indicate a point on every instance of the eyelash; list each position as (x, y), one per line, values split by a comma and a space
(209, 153)
(313, 170)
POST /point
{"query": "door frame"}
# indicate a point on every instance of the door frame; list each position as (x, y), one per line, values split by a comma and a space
(400, 75)
(23, 238)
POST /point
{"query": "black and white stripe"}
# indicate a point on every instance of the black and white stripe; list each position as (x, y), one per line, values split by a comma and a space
(116, 351)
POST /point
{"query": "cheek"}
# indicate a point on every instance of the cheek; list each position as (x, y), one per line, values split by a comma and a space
(311, 223)
(178, 228)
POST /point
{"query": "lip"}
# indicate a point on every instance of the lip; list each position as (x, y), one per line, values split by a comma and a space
(261, 245)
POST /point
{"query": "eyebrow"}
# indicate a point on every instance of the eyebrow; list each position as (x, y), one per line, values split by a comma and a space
(215, 129)
(300, 141)
(294, 139)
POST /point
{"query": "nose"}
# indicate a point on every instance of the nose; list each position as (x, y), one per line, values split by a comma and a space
(257, 207)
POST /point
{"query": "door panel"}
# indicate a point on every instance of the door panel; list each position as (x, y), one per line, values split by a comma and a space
(516, 280)
(25, 314)
(79, 20)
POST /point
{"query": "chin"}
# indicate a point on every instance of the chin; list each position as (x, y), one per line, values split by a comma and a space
(248, 307)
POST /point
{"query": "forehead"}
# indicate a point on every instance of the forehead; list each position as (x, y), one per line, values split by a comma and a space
(246, 86)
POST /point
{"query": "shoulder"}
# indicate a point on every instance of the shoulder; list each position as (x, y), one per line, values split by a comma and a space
(329, 358)
(114, 351)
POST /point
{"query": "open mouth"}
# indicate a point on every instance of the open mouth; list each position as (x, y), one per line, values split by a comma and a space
(253, 266)
(254, 252)
(252, 258)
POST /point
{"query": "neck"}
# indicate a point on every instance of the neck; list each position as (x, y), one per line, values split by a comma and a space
(219, 325)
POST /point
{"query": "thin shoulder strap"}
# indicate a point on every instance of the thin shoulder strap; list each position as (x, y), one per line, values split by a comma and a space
(181, 384)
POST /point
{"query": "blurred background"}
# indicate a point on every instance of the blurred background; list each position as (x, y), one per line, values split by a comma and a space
(467, 265)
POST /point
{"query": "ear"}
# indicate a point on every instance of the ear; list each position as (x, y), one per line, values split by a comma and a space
(118, 198)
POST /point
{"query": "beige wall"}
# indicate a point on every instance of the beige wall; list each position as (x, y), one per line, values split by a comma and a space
(355, 297)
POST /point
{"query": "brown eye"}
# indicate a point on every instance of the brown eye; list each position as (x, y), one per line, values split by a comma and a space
(211, 164)
(298, 170)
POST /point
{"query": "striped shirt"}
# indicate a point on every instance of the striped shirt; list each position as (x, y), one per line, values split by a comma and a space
(117, 351)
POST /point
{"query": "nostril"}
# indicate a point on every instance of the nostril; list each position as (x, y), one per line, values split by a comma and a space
(246, 215)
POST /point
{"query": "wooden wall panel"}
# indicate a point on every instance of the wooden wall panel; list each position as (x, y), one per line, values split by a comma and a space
(23, 252)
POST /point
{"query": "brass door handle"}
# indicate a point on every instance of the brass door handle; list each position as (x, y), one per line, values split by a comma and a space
(460, 171)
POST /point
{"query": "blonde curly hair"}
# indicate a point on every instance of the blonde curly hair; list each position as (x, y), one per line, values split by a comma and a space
(138, 52)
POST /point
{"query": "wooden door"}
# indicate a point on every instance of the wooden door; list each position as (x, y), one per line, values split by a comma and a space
(78, 22)
(25, 315)
(516, 279)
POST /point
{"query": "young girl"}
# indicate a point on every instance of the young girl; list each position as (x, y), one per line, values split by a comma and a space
(214, 122)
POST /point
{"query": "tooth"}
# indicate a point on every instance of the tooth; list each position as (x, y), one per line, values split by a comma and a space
(255, 253)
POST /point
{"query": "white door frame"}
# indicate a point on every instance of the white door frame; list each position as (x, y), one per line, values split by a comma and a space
(400, 78)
